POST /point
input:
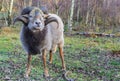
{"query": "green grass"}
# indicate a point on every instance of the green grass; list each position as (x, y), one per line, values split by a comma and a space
(87, 59)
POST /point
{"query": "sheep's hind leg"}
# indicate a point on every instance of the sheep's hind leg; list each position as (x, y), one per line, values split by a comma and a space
(65, 73)
(28, 66)
(62, 57)
(50, 57)
(44, 63)
(51, 53)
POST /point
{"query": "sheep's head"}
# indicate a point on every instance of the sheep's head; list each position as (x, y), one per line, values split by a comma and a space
(35, 19)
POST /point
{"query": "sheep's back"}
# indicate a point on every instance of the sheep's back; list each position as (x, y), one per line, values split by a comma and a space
(56, 30)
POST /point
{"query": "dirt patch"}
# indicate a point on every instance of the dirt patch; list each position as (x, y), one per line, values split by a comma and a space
(116, 53)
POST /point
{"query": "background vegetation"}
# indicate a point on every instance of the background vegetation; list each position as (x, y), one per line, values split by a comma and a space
(88, 15)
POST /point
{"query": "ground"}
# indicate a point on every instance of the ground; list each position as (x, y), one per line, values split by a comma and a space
(87, 59)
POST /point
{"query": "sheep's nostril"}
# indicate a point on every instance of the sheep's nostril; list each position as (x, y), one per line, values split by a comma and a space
(37, 23)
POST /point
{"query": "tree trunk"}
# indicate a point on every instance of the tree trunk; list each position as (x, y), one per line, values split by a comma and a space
(30, 3)
(78, 11)
(57, 10)
(94, 14)
(88, 13)
(71, 16)
(4, 15)
(38, 3)
(1, 4)
(11, 6)
(10, 13)
(24, 3)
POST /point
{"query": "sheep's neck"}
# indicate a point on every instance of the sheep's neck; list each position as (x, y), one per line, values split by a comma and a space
(35, 40)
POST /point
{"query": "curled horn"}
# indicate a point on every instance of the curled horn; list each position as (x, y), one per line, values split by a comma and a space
(22, 18)
(50, 19)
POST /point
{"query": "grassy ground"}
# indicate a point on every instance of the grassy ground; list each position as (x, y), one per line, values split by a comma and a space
(87, 59)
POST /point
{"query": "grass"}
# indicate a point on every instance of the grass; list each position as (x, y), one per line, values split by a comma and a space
(87, 59)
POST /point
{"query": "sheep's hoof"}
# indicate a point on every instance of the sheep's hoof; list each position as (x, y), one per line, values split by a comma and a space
(26, 76)
(47, 77)
(50, 63)
(64, 70)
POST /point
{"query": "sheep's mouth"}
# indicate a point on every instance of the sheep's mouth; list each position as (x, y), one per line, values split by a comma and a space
(36, 28)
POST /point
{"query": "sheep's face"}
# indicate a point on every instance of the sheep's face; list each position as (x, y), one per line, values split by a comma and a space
(36, 21)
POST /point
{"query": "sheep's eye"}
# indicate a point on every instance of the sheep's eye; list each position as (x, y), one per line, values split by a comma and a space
(30, 16)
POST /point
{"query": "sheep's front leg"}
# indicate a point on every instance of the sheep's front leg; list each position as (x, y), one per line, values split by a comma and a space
(62, 57)
(28, 65)
(50, 58)
(44, 63)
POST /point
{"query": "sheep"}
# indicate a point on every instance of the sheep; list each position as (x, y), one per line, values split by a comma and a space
(41, 33)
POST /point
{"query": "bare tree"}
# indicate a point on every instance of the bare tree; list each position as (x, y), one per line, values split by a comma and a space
(30, 3)
(88, 12)
(92, 13)
(57, 4)
(11, 6)
(36, 3)
(78, 11)
(10, 13)
(70, 20)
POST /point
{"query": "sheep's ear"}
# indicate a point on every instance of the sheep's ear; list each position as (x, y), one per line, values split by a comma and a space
(22, 18)
(49, 19)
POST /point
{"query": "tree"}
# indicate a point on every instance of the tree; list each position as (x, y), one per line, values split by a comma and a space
(70, 21)
(88, 12)
(36, 3)
(10, 13)
(78, 11)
